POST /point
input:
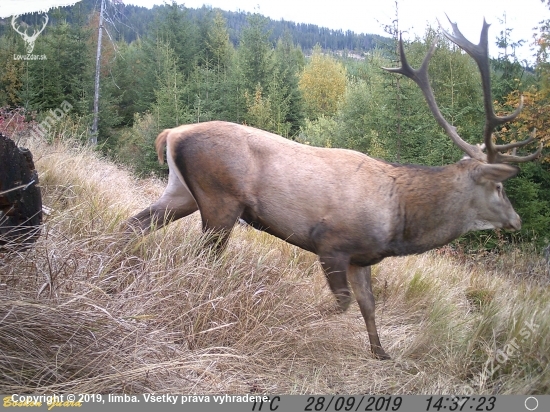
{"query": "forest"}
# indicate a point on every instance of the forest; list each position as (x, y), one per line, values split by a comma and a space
(171, 65)
(88, 308)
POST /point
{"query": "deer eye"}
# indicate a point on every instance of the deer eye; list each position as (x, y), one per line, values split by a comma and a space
(499, 188)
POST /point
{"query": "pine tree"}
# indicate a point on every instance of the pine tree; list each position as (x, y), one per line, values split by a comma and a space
(287, 100)
(254, 54)
(11, 72)
(169, 108)
(176, 29)
(217, 44)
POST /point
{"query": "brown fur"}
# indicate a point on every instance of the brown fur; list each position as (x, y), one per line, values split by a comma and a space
(346, 207)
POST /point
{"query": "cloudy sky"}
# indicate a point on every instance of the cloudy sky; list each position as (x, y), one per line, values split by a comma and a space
(368, 16)
(10, 7)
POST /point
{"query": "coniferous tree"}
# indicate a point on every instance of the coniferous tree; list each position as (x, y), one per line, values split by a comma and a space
(133, 73)
(169, 108)
(12, 73)
(178, 31)
(218, 47)
(288, 63)
(254, 54)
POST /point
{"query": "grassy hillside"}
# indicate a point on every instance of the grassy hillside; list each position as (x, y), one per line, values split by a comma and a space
(81, 312)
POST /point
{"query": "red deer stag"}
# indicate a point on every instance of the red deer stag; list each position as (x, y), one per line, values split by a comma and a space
(349, 209)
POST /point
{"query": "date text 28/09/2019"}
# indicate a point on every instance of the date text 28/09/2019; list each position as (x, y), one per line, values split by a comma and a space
(383, 403)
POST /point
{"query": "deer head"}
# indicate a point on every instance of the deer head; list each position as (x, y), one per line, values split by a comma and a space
(29, 40)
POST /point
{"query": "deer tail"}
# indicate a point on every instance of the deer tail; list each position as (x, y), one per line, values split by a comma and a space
(160, 143)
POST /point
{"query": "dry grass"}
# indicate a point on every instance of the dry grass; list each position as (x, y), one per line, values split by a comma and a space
(82, 312)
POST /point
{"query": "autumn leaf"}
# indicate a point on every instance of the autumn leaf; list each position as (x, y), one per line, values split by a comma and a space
(535, 114)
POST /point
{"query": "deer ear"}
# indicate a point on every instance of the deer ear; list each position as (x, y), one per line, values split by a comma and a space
(496, 172)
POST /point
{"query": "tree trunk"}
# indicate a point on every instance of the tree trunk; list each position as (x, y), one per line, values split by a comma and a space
(93, 137)
(20, 197)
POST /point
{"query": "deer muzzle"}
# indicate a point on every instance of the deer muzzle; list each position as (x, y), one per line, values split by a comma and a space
(514, 223)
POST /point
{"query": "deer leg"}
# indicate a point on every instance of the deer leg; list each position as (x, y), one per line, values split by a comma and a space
(218, 218)
(176, 202)
(158, 215)
(335, 271)
(360, 280)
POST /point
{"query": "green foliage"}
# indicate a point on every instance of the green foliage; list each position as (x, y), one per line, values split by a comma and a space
(67, 73)
(11, 72)
(268, 78)
(169, 108)
(529, 192)
(509, 73)
(135, 79)
(280, 110)
(259, 110)
(218, 49)
(254, 53)
(174, 28)
(136, 146)
(362, 115)
(320, 132)
(418, 287)
(386, 116)
(455, 81)
(286, 96)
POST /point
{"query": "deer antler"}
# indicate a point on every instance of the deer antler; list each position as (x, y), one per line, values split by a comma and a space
(480, 55)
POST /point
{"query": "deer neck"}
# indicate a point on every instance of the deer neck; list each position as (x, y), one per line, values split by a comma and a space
(433, 207)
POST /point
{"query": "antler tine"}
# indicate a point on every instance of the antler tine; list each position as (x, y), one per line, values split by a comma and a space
(480, 54)
(406, 68)
(420, 77)
(504, 158)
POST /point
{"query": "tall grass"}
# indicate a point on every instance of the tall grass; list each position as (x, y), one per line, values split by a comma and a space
(84, 311)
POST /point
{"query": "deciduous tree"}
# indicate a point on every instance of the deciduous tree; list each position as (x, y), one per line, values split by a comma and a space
(322, 83)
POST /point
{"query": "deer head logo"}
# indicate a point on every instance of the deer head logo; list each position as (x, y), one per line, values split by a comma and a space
(32, 38)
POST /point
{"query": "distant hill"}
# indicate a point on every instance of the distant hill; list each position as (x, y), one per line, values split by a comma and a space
(133, 22)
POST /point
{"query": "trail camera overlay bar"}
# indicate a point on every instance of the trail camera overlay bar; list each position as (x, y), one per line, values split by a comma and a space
(20, 197)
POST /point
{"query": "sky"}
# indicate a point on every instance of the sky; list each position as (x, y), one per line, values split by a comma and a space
(10, 7)
(368, 16)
